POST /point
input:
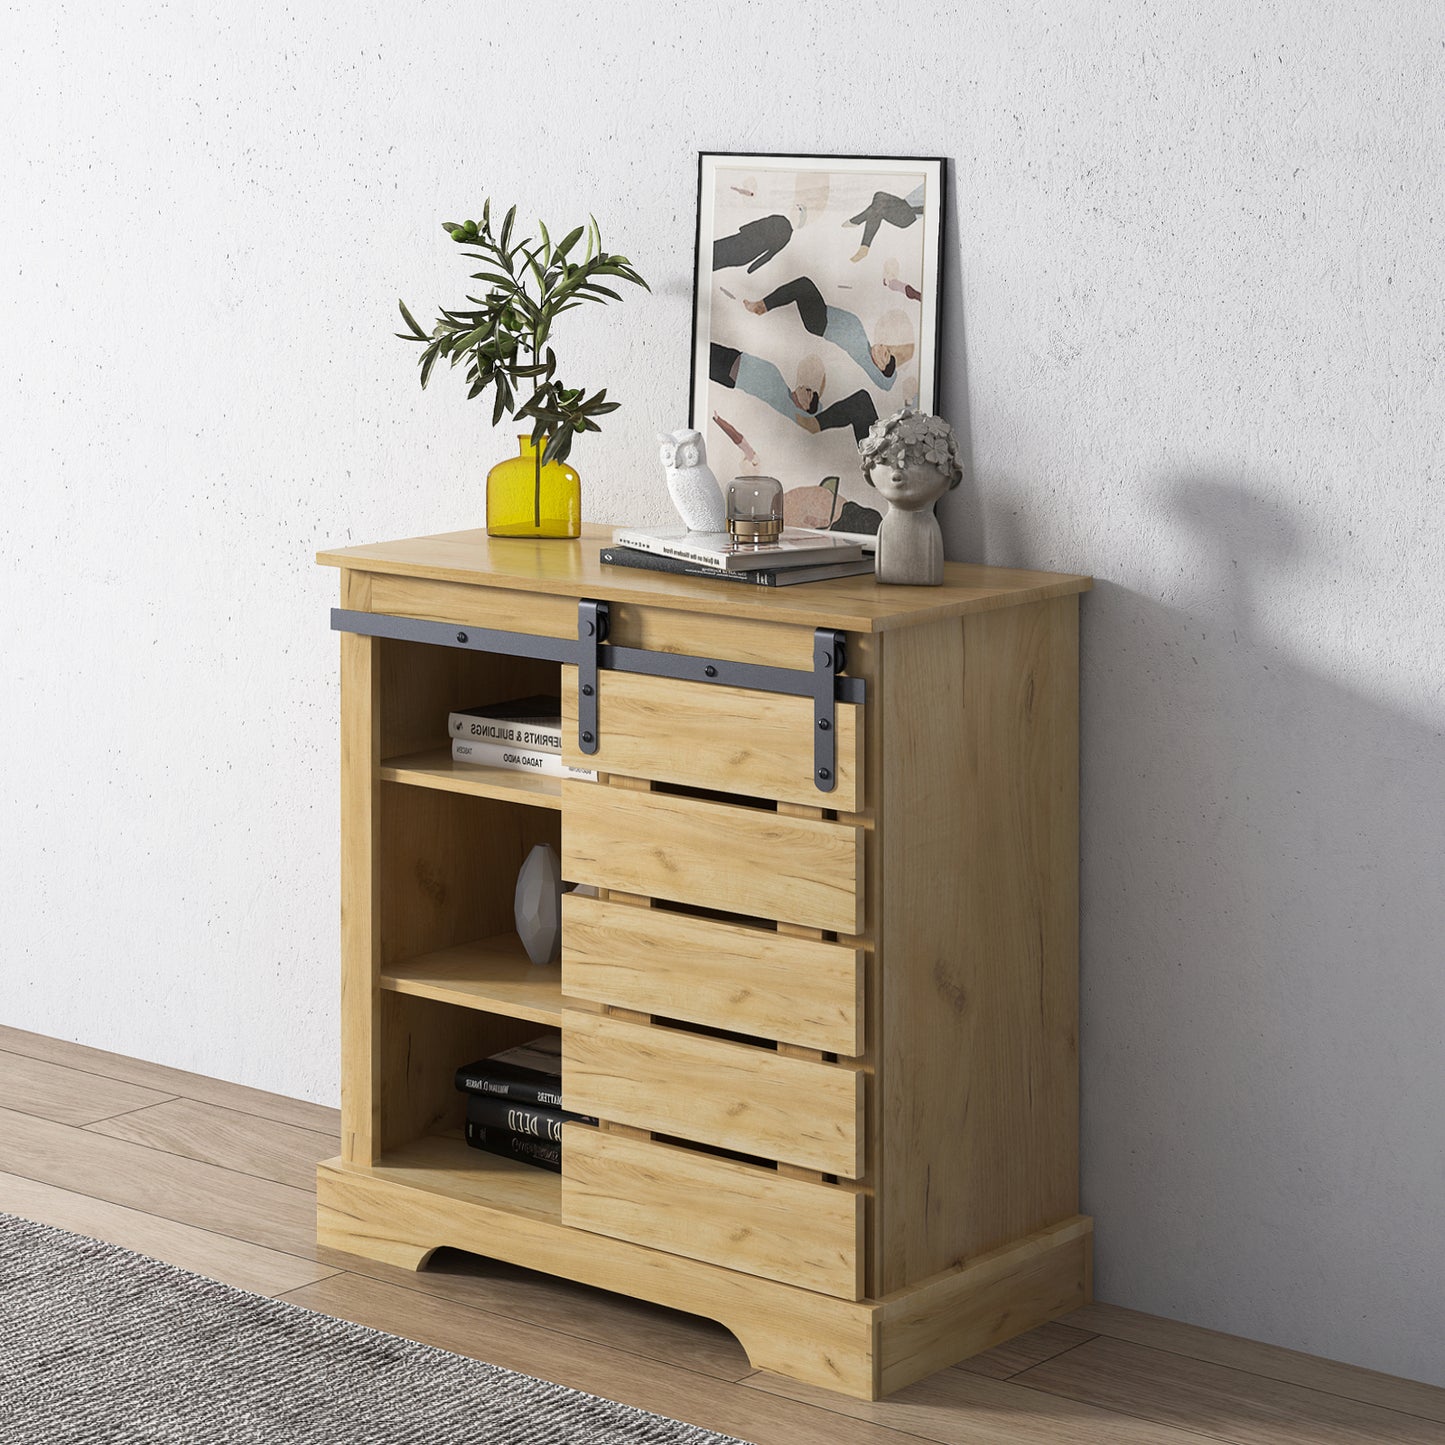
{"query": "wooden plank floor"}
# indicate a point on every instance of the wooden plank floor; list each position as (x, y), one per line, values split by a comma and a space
(216, 1178)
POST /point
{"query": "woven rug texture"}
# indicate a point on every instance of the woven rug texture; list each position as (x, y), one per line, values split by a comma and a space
(100, 1345)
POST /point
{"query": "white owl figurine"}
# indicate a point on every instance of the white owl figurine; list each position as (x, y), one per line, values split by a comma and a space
(690, 482)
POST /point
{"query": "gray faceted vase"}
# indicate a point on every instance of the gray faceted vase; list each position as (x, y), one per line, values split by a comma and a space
(538, 905)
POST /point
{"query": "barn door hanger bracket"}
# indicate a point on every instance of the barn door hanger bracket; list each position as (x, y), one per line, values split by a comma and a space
(593, 654)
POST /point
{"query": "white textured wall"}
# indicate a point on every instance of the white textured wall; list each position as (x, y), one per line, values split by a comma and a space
(1193, 328)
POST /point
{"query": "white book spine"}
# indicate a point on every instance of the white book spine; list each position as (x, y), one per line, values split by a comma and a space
(662, 547)
(517, 760)
(794, 549)
(497, 730)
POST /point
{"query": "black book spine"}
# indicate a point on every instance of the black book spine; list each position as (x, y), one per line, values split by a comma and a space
(536, 1152)
(655, 562)
(502, 1081)
(530, 1121)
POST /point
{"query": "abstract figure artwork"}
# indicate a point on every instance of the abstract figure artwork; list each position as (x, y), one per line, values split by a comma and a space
(815, 310)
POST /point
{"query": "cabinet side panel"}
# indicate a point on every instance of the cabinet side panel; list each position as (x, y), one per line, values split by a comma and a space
(979, 935)
(360, 923)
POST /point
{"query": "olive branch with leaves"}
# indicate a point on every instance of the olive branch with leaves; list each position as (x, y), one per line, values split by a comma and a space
(505, 340)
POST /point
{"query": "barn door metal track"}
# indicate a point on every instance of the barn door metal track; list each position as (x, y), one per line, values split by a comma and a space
(592, 654)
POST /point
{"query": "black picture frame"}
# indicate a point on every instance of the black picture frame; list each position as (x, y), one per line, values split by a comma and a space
(843, 337)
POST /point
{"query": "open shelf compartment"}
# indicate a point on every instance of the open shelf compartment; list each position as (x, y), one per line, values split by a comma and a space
(434, 768)
(441, 1163)
(494, 975)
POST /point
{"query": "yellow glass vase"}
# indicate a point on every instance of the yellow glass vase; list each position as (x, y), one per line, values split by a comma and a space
(526, 498)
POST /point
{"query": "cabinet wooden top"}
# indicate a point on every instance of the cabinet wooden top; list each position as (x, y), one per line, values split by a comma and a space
(572, 569)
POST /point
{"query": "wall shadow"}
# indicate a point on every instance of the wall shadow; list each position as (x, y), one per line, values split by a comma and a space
(1263, 926)
(961, 512)
(1263, 994)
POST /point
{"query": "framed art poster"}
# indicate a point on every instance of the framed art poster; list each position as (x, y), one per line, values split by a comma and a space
(815, 312)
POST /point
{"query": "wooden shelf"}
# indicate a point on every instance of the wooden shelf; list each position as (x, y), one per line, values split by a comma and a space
(443, 1164)
(434, 768)
(494, 975)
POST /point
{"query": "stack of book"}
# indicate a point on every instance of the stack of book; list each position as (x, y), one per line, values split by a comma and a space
(514, 1103)
(797, 556)
(523, 734)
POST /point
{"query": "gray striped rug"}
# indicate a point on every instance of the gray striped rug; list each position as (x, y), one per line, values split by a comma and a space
(98, 1344)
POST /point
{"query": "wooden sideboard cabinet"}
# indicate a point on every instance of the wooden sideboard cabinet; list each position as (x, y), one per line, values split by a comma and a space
(819, 982)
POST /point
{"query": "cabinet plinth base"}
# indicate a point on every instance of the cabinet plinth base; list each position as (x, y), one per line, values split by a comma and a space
(866, 1349)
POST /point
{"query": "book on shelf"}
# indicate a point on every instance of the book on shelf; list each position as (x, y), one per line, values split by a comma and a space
(529, 1121)
(796, 547)
(516, 759)
(536, 1152)
(759, 577)
(531, 1073)
(523, 722)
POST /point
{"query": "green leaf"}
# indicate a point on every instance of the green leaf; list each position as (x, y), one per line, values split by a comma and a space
(569, 240)
(411, 320)
(507, 226)
(428, 360)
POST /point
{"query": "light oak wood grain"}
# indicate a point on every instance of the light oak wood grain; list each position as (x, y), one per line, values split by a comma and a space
(982, 1303)
(1330, 1377)
(1025, 1351)
(446, 875)
(809, 1335)
(202, 1251)
(280, 1152)
(82, 1060)
(736, 1215)
(720, 633)
(1247, 1409)
(423, 1043)
(730, 739)
(652, 628)
(866, 660)
(957, 1408)
(803, 1051)
(690, 850)
(442, 1164)
(422, 684)
(713, 1091)
(361, 748)
(565, 1308)
(496, 607)
(37, 1086)
(922, 1146)
(572, 569)
(448, 868)
(747, 979)
(258, 1211)
(609, 1371)
(494, 975)
(979, 1074)
(435, 768)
